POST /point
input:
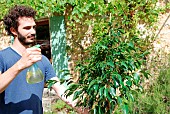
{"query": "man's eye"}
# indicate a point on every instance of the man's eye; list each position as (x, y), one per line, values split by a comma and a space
(27, 28)
(34, 27)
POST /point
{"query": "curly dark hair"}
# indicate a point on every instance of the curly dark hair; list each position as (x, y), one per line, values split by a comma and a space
(11, 19)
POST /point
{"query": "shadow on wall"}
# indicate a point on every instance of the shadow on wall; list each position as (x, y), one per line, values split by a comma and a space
(58, 42)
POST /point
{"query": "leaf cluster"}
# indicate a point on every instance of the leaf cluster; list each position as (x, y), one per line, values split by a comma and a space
(107, 76)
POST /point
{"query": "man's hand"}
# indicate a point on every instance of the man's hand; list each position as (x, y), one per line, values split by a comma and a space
(60, 89)
(29, 57)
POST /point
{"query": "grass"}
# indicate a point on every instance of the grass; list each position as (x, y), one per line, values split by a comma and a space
(154, 100)
(60, 107)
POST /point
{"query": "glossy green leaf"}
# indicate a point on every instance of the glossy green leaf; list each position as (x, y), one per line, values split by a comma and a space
(50, 83)
(77, 94)
(119, 100)
(73, 86)
(101, 92)
(125, 109)
(105, 92)
(136, 78)
(124, 64)
(96, 87)
(92, 83)
(116, 84)
(145, 53)
(85, 101)
(129, 83)
(110, 64)
(131, 97)
(120, 79)
(95, 110)
(100, 110)
(112, 91)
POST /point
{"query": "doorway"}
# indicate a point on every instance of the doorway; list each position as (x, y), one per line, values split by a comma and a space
(43, 37)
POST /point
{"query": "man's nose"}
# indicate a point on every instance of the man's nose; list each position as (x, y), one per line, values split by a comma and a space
(33, 31)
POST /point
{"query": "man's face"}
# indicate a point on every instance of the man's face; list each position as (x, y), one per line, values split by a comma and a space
(26, 31)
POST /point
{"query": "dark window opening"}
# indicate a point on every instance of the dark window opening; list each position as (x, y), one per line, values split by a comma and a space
(43, 37)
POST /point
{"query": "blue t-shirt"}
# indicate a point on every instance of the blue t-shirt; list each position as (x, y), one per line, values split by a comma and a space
(20, 97)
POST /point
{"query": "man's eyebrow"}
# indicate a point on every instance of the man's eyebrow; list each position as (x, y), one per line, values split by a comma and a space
(29, 26)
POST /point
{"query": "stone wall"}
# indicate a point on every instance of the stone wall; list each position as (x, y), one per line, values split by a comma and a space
(5, 40)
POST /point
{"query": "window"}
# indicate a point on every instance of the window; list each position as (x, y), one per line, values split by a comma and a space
(43, 37)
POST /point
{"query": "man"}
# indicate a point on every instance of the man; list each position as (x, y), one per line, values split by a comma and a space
(16, 95)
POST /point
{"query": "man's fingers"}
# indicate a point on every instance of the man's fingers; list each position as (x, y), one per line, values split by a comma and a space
(31, 55)
(33, 51)
(35, 58)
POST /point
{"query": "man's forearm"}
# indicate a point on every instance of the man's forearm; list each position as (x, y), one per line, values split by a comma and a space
(7, 77)
(60, 89)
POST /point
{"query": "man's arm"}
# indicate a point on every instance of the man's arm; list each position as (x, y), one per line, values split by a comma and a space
(29, 57)
(60, 89)
(7, 77)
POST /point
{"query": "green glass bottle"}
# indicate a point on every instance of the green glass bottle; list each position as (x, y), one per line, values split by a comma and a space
(34, 74)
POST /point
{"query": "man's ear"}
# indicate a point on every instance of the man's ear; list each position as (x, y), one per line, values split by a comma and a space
(13, 31)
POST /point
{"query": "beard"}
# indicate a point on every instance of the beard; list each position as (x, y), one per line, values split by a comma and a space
(23, 40)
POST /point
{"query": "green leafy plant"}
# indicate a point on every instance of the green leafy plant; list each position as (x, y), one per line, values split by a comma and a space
(107, 76)
(155, 99)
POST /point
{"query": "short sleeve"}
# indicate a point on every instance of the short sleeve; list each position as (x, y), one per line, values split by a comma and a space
(49, 70)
